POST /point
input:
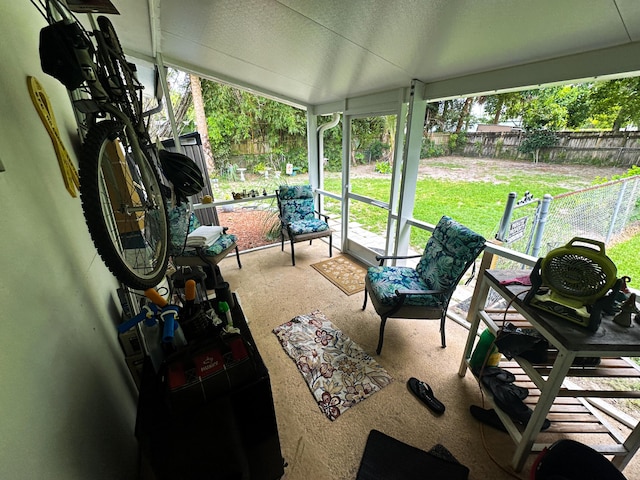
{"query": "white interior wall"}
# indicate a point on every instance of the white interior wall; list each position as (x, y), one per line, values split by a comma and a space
(67, 398)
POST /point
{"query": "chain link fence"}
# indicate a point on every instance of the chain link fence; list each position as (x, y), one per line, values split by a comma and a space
(536, 226)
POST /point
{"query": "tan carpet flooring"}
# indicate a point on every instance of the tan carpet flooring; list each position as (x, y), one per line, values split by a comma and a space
(272, 291)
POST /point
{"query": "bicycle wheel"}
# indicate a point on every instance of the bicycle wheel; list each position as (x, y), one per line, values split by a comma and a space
(123, 206)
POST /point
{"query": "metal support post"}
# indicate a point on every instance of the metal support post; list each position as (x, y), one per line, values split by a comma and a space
(544, 214)
(506, 217)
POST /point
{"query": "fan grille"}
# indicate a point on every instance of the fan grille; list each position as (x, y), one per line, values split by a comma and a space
(575, 275)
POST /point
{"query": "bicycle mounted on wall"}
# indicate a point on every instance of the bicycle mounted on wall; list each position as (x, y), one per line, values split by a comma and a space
(123, 199)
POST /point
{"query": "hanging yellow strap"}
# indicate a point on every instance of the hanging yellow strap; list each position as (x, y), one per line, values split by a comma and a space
(43, 107)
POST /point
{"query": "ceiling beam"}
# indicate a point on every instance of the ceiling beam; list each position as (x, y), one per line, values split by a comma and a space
(154, 26)
(604, 64)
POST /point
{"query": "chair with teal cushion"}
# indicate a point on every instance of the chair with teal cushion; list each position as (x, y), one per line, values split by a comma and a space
(423, 292)
(299, 219)
(181, 223)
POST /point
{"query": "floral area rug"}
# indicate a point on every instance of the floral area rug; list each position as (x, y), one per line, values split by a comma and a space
(344, 273)
(339, 373)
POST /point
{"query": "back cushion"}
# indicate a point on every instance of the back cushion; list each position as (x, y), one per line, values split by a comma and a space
(288, 192)
(178, 227)
(296, 202)
(297, 209)
(451, 247)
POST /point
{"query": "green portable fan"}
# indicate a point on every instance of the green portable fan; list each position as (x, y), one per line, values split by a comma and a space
(570, 280)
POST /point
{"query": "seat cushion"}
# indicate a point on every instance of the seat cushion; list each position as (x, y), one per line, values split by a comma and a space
(221, 244)
(310, 225)
(386, 280)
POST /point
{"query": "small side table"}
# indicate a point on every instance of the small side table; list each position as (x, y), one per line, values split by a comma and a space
(570, 341)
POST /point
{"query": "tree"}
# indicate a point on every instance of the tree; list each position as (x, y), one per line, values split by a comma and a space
(235, 117)
(538, 109)
(578, 105)
(619, 99)
(464, 114)
(535, 141)
(448, 115)
(365, 132)
(180, 97)
(431, 115)
(201, 120)
(498, 105)
(611, 104)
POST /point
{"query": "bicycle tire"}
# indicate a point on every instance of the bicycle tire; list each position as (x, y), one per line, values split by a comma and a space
(123, 205)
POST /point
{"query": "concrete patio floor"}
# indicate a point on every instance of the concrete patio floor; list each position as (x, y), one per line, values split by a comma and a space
(272, 292)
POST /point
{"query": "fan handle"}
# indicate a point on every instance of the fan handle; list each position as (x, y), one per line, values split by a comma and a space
(596, 243)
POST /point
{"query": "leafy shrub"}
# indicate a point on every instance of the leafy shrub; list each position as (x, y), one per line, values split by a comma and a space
(383, 167)
(377, 149)
(258, 167)
(456, 140)
(430, 149)
(632, 172)
(228, 172)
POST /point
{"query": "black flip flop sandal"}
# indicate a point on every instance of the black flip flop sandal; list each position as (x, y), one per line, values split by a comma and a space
(496, 387)
(499, 373)
(488, 417)
(509, 402)
(425, 395)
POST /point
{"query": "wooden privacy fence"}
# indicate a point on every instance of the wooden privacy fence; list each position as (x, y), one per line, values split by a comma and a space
(596, 148)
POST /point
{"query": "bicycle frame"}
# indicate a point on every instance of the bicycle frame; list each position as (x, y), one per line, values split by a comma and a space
(122, 196)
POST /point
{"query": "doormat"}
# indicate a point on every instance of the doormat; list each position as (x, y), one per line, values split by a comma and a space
(338, 372)
(344, 273)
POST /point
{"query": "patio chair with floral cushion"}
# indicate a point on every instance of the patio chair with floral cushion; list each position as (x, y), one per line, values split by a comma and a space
(182, 222)
(423, 292)
(298, 217)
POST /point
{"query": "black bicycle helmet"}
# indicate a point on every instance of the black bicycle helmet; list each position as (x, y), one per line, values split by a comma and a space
(182, 172)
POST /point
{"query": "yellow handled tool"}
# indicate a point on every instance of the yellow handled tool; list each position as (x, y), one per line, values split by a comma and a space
(43, 107)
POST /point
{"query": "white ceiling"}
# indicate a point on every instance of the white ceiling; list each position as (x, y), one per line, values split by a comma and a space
(314, 52)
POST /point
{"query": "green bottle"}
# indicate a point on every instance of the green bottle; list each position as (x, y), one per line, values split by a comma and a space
(484, 349)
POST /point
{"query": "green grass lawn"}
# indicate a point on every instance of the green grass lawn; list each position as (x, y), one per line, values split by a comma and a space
(625, 256)
(479, 205)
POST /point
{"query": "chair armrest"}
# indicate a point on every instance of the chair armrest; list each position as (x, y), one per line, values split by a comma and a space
(288, 227)
(326, 217)
(403, 292)
(382, 258)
